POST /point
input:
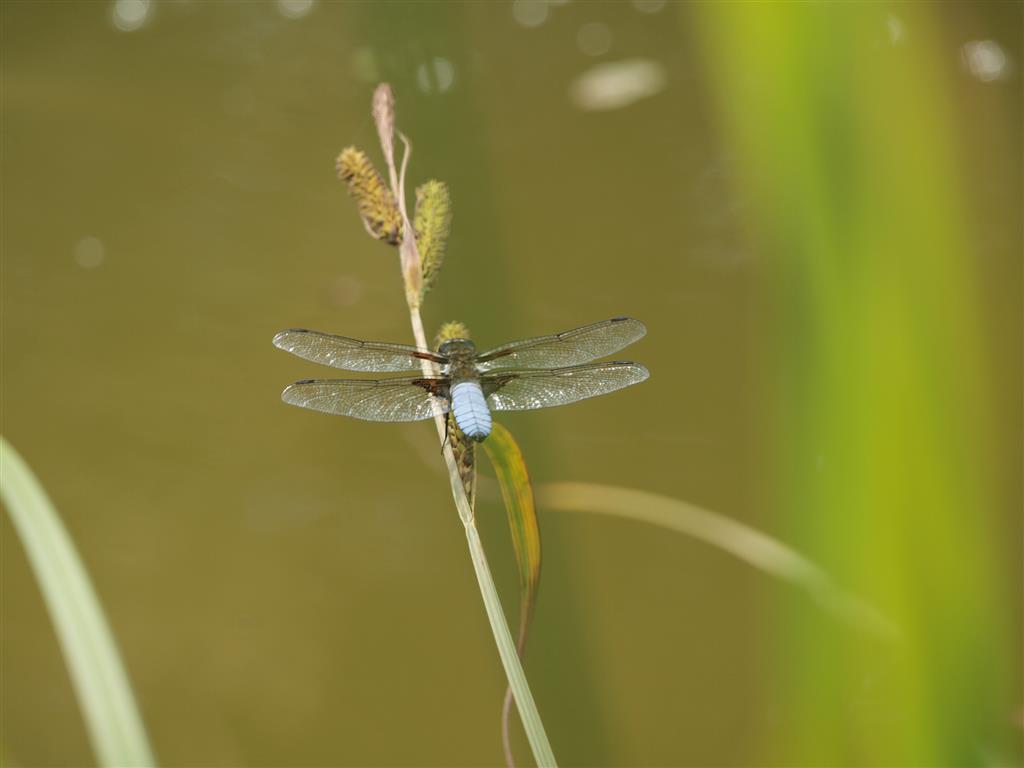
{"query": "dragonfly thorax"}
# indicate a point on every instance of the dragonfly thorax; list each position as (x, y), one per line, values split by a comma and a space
(461, 348)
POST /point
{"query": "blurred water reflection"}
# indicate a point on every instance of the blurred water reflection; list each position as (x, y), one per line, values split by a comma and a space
(594, 38)
(618, 84)
(435, 76)
(130, 15)
(530, 13)
(295, 9)
(985, 59)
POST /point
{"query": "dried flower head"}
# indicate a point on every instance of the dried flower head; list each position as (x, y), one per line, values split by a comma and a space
(384, 118)
(432, 222)
(376, 204)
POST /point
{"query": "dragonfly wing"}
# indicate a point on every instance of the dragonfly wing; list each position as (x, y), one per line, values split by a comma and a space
(405, 399)
(580, 345)
(523, 390)
(353, 354)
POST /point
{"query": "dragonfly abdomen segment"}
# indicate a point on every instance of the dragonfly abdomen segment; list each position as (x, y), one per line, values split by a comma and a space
(470, 409)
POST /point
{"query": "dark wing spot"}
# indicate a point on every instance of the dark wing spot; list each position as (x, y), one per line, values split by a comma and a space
(430, 356)
(436, 387)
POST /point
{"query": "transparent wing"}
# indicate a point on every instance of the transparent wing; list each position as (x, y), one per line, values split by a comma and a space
(580, 345)
(523, 390)
(406, 399)
(352, 354)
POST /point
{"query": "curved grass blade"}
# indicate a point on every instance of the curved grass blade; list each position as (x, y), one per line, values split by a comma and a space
(99, 679)
(517, 494)
(754, 547)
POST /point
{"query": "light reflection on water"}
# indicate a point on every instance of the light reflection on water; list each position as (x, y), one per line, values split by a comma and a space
(617, 84)
(295, 9)
(130, 15)
(985, 59)
(530, 13)
(436, 75)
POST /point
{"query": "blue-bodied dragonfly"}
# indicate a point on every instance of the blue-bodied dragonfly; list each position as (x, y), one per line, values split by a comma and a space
(523, 375)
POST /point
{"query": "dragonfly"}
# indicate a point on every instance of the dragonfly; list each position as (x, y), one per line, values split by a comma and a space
(522, 375)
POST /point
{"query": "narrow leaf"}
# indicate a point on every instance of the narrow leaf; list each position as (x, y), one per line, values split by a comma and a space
(517, 493)
(99, 679)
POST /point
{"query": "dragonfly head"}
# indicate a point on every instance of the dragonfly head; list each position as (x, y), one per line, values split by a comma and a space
(457, 348)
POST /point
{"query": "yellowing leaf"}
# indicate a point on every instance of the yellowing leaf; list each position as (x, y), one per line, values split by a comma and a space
(517, 494)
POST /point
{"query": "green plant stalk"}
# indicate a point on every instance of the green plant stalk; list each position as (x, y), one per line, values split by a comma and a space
(412, 276)
(532, 724)
(98, 678)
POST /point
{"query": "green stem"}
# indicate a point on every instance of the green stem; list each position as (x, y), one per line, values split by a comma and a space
(535, 733)
(413, 279)
(532, 724)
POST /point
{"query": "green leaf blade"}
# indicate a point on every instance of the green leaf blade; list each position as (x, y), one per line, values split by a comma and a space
(517, 493)
(98, 677)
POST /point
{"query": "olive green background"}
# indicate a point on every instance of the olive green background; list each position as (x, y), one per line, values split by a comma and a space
(817, 215)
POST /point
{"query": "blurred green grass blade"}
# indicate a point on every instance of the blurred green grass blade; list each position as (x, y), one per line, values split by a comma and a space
(752, 546)
(517, 494)
(97, 675)
(882, 359)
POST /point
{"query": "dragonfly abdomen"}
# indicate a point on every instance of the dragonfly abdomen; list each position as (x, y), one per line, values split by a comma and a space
(470, 409)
